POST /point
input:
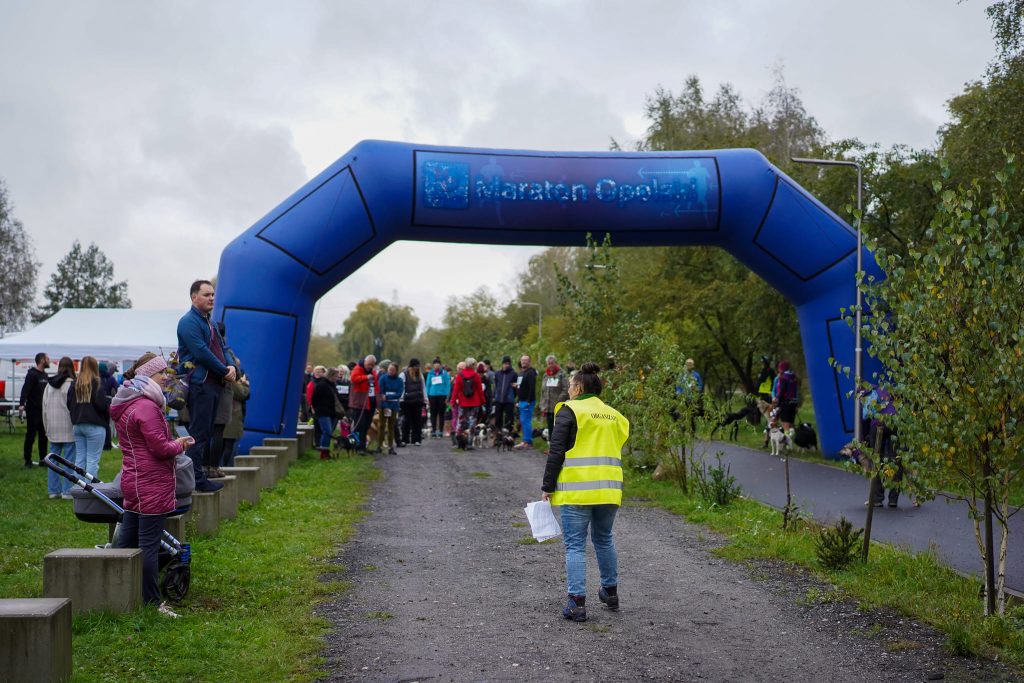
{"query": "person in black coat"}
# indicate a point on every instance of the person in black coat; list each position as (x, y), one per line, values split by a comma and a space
(325, 398)
(31, 404)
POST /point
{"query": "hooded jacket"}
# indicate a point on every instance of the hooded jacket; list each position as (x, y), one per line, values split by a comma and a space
(459, 397)
(147, 477)
(56, 416)
(505, 385)
(555, 389)
(93, 412)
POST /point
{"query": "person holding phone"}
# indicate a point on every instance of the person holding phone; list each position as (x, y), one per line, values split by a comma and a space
(147, 477)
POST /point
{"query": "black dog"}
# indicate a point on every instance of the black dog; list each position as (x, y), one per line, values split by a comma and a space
(506, 441)
(751, 413)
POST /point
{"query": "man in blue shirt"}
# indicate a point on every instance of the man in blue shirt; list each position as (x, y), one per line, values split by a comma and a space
(204, 357)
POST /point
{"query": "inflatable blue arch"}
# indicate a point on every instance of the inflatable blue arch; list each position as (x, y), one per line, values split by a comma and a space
(272, 275)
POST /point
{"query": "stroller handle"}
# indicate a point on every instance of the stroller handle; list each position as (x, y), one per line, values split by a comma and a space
(49, 462)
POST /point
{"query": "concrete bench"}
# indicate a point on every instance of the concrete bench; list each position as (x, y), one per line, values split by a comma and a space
(176, 526)
(267, 465)
(247, 483)
(35, 640)
(305, 434)
(280, 452)
(204, 517)
(291, 444)
(95, 578)
(228, 496)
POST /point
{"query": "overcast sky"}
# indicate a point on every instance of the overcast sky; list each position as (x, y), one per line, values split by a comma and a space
(162, 130)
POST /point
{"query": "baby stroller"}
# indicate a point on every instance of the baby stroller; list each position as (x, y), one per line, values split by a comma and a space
(97, 502)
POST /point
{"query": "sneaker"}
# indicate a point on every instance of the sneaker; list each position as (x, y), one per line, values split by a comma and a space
(209, 486)
(417, 444)
(66, 496)
(868, 502)
(609, 596)
(575, 609)
(216, 473)
(892, 505)
(165, 610)
(523, 445)
(54, 496)
(392, 451)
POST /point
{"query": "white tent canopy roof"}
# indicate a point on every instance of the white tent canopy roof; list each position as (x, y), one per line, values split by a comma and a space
(106, 333)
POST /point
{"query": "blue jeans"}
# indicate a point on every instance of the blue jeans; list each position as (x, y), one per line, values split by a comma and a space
(327, 425)
(56, 484)
(575, 520)
(89, 446)
(526, 417)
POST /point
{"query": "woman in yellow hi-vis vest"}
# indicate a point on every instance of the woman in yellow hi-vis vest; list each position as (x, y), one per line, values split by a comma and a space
(584, 476)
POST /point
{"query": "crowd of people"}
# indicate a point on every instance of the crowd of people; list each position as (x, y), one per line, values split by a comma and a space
(375, 406)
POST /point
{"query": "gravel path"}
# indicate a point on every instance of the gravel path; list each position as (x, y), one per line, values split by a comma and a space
(446, 589)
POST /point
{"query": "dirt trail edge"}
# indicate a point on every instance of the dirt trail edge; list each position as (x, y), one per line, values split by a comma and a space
(446, 588)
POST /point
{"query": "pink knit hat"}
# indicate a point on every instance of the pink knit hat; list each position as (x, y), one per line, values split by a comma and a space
(151, 367)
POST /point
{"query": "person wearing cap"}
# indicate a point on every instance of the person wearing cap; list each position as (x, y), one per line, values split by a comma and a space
(148, 474)
(439, 387)
(413, 403)
(505, 395)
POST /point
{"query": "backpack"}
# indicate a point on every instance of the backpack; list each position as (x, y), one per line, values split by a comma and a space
(468, 387)
(788, 387)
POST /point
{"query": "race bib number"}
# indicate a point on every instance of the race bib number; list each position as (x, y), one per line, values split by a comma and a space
(387, 412)
(373, 390)
(343, 390)
(436, 379)
(552, 381)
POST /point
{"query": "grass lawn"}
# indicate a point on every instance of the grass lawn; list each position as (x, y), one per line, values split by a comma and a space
(916, 585)
(249, 615)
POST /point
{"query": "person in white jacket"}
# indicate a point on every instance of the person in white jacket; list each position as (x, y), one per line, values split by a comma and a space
(57, 423)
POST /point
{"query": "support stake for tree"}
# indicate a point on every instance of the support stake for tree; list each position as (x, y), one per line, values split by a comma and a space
(990, 575)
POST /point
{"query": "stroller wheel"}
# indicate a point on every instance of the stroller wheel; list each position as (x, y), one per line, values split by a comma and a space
(176, 581)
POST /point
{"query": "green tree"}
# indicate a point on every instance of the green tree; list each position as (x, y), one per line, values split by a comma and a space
(323, 350)
(83, 279)
(475, 325)
(947, 325)
(375, 327)
(18, 268)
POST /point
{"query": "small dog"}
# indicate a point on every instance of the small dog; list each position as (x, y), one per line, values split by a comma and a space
(779, 440)
(506, 441)
(479, 435)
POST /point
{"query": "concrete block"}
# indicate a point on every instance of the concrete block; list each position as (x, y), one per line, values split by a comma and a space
(204, 517)
(247, 483)
(291, 444)
(95, 578)
(305, 434)
(35, 640)
(267, 465)
(176, 525)
(228, 497)
(282, 457)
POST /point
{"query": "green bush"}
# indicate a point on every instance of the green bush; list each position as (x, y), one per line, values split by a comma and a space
(715, 484)
(837, 546)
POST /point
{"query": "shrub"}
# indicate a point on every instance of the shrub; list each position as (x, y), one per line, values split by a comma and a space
(838, 546)
(715, 484)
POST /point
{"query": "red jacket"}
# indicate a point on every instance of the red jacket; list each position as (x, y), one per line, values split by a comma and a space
(309, 392)
(147, 477)
(359, 387)
(459, 397)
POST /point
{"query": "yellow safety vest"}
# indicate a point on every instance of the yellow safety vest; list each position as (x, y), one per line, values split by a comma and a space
(592, 471)
(766, 387)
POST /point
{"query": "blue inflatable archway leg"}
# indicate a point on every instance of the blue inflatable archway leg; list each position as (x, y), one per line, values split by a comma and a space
(272, 275)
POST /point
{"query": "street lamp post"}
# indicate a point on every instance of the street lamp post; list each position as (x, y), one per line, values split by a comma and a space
(540, 315)
(857, 351)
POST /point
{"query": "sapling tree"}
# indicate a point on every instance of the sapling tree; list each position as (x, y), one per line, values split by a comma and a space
(947, 324)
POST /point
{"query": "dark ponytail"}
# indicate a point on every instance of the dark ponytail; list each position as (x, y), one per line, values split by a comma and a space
(586, 378)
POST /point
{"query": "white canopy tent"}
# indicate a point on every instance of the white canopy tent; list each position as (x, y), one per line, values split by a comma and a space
(113, 334)
(106, 333)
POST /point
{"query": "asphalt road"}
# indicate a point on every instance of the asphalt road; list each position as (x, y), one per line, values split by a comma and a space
(446, 586)
(826, 493)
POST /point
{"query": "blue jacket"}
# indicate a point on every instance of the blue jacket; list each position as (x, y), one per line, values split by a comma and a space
(391, 390)
(194, 347)
(442, 388)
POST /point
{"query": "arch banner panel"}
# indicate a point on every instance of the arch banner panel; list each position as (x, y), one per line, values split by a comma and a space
(271, 276)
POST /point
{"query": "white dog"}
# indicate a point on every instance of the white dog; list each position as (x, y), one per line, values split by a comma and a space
(779, 440)
(479, 436)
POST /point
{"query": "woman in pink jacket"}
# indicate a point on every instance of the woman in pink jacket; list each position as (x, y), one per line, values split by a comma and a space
(147, 475)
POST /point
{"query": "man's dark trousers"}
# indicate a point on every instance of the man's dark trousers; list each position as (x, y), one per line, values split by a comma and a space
(202, 410)
(504, 416)
(36, 431)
